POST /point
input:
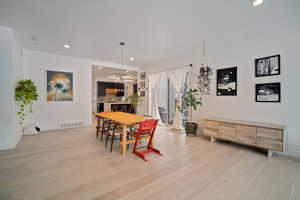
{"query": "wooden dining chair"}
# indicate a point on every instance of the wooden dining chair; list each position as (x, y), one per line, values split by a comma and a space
(99, 125)
(114, 133)
(103, 125)
(146, 129)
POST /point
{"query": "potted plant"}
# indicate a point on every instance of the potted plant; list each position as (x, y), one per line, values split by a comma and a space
(135, 100)
(25, 94)
(192, 100)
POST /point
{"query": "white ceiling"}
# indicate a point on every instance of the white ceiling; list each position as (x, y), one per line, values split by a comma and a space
(106, 71)
(153, 29)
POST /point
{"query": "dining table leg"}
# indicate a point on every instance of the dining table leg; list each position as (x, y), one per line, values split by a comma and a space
(124, 141)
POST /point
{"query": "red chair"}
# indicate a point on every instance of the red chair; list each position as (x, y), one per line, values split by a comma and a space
(146, 129)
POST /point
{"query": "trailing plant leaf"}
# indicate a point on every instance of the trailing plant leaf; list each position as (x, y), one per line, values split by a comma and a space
(25, 94)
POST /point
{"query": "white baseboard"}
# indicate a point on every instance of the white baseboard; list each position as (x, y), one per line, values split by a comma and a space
(7, 147)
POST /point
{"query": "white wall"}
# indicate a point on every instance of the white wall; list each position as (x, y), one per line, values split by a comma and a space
(49, 115)
(10, 73)
(241, 49)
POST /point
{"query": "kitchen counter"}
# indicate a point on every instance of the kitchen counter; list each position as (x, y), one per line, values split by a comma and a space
(108, 106)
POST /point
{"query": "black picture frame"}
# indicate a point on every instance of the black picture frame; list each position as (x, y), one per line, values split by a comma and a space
(143, 76)
(143, 93)
(268, 66)
(268, 92)
(227, 82)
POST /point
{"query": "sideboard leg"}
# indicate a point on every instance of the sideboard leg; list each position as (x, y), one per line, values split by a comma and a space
(212, 139)
(270, 153)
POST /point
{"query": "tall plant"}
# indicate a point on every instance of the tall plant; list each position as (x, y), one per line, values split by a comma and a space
(134, 99)
(26, 94)
(192, 99)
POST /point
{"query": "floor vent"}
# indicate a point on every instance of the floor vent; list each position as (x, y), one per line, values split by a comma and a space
(73, 124)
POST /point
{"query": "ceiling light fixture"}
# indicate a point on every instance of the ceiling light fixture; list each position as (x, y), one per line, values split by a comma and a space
(67, 46)
(131, 59)
(99, 67)
(257, 2)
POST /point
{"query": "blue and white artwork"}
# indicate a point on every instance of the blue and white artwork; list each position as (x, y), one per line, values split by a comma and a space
(59, 86)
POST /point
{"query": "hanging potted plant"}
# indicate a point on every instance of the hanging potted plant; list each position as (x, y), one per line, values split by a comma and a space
(26, 94)
(135, 100)
(192, 100)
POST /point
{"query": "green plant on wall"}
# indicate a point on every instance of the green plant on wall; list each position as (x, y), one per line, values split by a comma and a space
(134, 99)
(192, 100)
(25, 94)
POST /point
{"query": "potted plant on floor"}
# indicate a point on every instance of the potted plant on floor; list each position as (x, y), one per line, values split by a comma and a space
(192, 100)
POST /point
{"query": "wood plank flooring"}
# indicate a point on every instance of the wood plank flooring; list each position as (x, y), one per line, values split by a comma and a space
(72, 164)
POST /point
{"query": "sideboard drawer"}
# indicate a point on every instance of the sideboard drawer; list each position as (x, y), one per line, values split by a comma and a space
(246, 134)
(274, 134)
(270, 137)
(210, 132)
(270, 144)
(210, 124)
(227, 130)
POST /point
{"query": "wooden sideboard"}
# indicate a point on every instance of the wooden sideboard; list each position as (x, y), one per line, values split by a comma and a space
(266, 136)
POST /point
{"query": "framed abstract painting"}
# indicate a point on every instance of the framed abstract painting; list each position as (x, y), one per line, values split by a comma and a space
(59, 86)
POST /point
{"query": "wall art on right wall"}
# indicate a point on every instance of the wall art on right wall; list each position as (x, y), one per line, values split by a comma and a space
(268, 92)
(267, 66)
(227, 82)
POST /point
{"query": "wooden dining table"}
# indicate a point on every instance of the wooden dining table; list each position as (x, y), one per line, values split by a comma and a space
(127, 120)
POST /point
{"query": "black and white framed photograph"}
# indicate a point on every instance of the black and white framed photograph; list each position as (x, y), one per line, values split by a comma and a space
(268, 92)
(227, 82)
(268, 66)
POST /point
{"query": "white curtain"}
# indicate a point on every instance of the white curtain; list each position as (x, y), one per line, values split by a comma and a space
(177, 78)
(153, 79)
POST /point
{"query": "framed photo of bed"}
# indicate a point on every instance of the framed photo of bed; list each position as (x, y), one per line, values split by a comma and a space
(268, 92)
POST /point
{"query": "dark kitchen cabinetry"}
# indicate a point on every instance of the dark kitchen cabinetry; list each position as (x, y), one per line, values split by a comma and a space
(118, 88)
(100, 107)
(128, 108)
(135, 89)
(101, 89)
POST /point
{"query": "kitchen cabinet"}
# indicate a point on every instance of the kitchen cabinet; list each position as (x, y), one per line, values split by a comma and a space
(103, 86)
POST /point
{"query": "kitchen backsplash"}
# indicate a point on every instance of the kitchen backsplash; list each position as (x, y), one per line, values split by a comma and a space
(110, 99)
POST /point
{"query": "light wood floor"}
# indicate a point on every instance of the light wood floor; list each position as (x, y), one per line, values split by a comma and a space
(72, 164)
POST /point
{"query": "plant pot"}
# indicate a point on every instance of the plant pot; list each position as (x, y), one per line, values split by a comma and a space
(190, 128)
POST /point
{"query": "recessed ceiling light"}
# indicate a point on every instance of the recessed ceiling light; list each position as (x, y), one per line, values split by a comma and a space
(127, 71)
(99, 67)
(67, 46)
(131, 59)
(257, 2)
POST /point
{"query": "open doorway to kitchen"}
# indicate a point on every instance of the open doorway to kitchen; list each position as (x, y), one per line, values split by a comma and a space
(111, 87)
